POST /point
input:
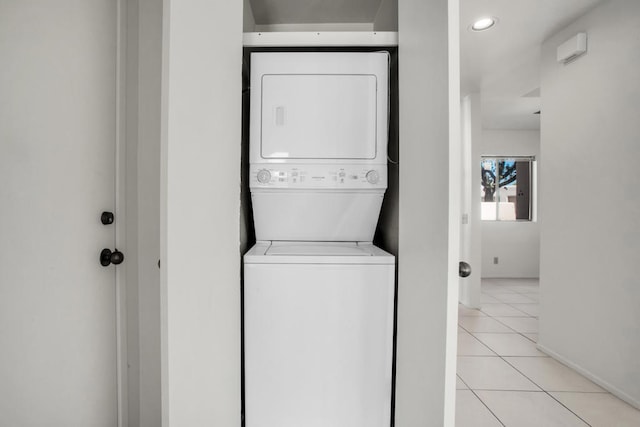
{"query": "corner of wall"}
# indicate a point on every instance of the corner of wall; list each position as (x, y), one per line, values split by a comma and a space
(386, 18)
(248, 20)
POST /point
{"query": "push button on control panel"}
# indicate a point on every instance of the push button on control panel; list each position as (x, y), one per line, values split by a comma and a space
(264, 176)
(373, 177)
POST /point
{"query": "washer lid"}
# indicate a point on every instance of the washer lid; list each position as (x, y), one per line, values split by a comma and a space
(288, 252)
(318, 248)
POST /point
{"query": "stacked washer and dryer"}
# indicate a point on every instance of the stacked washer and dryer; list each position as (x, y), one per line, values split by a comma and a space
(318, 295)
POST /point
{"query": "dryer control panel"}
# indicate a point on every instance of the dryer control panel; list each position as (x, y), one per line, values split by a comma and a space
(318, 176)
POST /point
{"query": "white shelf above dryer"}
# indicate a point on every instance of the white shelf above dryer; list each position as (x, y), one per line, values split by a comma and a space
(320, 38)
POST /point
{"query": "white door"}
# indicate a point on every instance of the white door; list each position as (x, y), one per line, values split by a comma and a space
(57, 149)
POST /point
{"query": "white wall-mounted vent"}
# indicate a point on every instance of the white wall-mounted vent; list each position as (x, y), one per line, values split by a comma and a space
(572, 48)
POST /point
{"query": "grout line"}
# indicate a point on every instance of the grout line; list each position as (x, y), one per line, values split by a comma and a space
(504, 333)
(509, 390)
(510, 305)
(481, 401)
(580, 392)
(547, 392)
(486, 406)
(484, 345)
(533, 382)
(478, 355)
(463, 382)
(517, 332)
(542, 390)
(563, 405)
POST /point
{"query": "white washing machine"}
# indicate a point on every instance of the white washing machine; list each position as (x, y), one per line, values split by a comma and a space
(318, 295)
(318, 335)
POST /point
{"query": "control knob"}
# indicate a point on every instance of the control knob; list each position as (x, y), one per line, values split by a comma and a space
(373, 177)
(264, 176)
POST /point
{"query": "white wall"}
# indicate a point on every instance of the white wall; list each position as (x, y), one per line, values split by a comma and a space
(589, 200)
(144, 52)
(200, 197)
(148, 177)
(423, 260)
(515, 243)
(517, 246)
(131, 217)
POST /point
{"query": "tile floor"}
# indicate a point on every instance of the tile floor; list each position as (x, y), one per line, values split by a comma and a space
(504, 380)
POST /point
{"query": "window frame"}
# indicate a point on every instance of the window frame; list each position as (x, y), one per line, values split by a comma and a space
(532, 186)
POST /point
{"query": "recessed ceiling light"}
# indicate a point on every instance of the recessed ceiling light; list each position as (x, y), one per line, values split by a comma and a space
(484, 23)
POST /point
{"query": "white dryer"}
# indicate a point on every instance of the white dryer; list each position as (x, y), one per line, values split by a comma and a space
(318, 144)
(318, 295)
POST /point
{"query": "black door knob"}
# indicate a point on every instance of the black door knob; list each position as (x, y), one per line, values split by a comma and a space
(106, 218)
(464, 269)
(107, 257)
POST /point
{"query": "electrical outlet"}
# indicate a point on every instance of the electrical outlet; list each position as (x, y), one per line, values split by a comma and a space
(495, 259)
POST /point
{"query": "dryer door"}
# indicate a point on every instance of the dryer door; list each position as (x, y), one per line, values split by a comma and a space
(319, 116)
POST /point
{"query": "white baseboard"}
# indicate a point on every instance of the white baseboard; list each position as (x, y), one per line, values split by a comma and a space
(599, 381)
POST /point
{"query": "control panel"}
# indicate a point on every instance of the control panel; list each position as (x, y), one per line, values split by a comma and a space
(318, 176)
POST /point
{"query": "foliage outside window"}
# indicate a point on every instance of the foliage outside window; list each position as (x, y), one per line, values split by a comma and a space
(506, 188)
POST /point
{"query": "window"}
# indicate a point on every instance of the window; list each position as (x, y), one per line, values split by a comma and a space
(506, 188)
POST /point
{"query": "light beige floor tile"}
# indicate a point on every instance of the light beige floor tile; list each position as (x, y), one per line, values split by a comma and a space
(466, 311)
(470, 412)
(532, 295)
(533, 281)
(501, 283)
(528, 291)
(486, 298)
(501, 310)
(460, 385)
(491, 373)
(496, 280)
(551, 375)
(532, 337)
(497, 290)
(529, 409)
(491, 282)
(488, 283)
(482, 324)
(523, 287)
(520, 324)
(509, 344)
(600, 409)
(513, 298)
(531, 309)
(468, 345)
